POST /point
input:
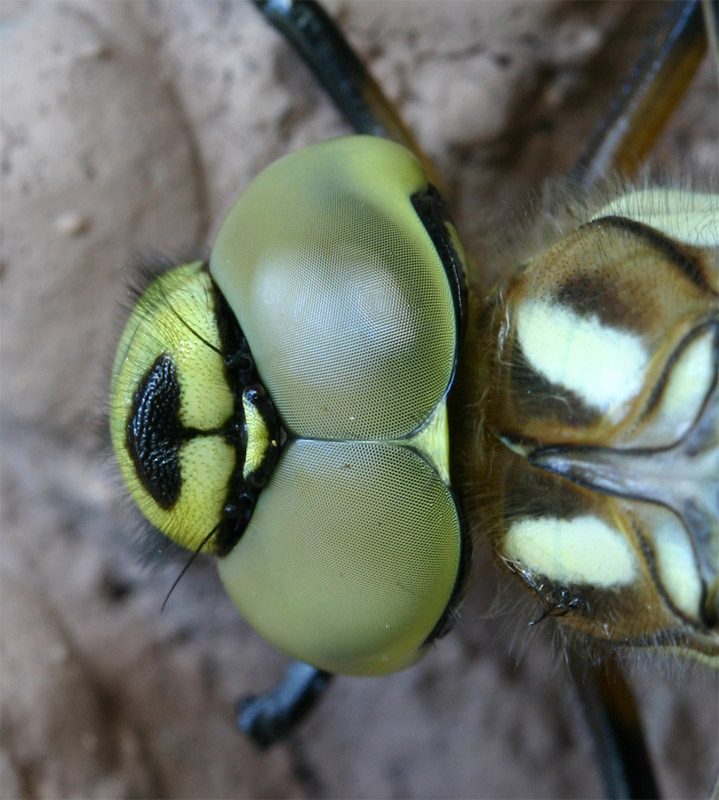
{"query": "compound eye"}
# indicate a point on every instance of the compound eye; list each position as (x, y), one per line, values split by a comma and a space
(333, 302)
(345, 274)
(351, 556)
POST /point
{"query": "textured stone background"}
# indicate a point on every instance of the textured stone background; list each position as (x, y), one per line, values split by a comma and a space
(134, 125)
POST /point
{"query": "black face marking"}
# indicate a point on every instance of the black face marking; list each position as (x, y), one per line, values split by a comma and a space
(154, 432)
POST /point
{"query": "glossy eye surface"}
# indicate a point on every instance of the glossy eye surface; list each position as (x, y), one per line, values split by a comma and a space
(351, 556)
(340, 290)
(287, 405)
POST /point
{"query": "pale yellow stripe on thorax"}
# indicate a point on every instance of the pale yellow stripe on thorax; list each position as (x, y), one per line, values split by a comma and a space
(603, 365)
(690, 217)
(583, 550)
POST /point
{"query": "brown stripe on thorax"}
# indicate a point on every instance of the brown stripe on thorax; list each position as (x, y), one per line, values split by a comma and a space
(684, 256)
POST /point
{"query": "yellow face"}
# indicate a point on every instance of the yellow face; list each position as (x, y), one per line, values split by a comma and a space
(350, 554)
(189, 434)
(168, 378)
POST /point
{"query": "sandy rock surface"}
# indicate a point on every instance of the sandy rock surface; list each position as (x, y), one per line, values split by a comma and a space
(127, 126)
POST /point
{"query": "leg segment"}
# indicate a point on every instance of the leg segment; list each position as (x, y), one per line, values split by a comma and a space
(338, 69)
(614, 724)
(273, 715)
(650, 92)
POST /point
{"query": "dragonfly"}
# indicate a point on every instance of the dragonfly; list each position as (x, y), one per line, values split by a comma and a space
(495, 380)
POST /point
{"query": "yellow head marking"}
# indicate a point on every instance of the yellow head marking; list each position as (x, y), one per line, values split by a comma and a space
(168, 378)
(184, 432)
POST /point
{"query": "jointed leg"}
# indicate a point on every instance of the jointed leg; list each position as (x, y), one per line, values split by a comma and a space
(339, 70)
(649, 93)
(273, 715)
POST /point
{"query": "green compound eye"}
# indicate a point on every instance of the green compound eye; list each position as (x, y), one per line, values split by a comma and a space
(342, 275)
(340, 290)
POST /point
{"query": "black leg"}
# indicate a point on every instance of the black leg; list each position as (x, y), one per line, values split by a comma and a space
(339, 70)
(649, 93)
(273, 715)
(616, 729)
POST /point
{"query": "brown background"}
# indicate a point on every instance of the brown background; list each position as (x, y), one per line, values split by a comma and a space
(134, 125)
